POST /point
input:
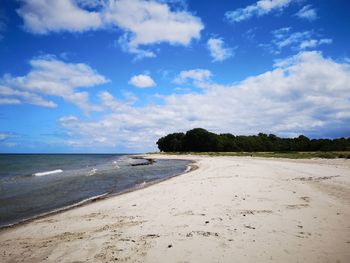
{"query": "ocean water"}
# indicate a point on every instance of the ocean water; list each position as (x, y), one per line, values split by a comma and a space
(34, 184)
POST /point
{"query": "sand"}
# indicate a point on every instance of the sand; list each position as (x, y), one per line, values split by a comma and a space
(231, 209)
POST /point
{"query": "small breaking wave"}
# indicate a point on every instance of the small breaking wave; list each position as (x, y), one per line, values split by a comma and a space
(188, 168)
(115, 163)
(92, 172)
(48, 172)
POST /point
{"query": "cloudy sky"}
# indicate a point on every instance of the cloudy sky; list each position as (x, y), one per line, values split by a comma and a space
(115, 75)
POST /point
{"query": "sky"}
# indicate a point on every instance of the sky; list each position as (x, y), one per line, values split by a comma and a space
(113, 76)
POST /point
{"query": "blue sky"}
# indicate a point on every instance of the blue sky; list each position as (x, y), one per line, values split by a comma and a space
(115, 75)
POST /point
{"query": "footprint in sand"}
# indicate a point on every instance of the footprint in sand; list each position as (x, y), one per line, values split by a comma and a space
(303, 234)
(305, 198)
(202, 233)
(253, 212)
(297, 206)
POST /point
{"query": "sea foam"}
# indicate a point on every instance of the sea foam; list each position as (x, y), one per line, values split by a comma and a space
(92, 171)
(48, 172)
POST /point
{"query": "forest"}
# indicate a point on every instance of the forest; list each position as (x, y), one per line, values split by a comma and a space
(201, 140)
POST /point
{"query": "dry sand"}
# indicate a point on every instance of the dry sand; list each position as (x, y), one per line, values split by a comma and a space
(231, 209)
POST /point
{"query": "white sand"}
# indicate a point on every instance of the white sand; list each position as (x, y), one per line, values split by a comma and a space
(232, 209)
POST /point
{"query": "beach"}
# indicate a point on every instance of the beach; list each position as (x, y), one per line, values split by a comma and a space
(229, 209)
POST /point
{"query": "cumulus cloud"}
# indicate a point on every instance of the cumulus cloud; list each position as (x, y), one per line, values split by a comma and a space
(139, 53)
(260, 8)
(151, 22)
(51, 77)
(217, 49)
(307, 12)
(144, 22)
(12, 96)
(44, 16)
(306, 93)
(284, 37)
(197, 75)
(142, 81)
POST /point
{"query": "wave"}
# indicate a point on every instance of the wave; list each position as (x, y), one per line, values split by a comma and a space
(48, 172)
(115, 163)
(92, 171)
(188, 168)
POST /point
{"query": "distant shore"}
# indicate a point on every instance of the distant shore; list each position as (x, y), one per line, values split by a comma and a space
(230, 208)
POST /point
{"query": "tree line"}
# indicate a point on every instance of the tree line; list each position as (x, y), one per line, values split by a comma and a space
(201, 140)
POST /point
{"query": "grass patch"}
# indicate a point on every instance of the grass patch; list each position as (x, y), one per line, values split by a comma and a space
(289, 155)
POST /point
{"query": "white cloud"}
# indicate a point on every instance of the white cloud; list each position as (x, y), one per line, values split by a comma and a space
(9, 101)
(6, 139)
(109, 102)
(307, 12)
(5, 135)
(179, 3)
(144, 22)
(260, 8)
(325, 41)
(142, 81)
(284, 37)
(125, 46)
(44, 16)
(217, 50)
(315, 42)
(16, 97)
(152, 22)
(198, 75)
(51, 77)
(306, 93)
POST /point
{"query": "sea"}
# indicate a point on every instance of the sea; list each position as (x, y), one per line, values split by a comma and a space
(33, 185)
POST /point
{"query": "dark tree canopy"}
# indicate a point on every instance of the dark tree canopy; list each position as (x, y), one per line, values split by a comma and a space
(171, 143)
(201, 140)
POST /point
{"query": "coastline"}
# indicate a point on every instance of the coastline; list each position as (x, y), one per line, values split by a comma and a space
(190, 167)
(250, 209)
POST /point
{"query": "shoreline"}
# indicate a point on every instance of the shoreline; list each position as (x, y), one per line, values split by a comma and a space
(190, 167)
(250, 209)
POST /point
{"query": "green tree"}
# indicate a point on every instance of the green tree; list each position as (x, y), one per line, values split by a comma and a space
(171, 143)
(200, 140)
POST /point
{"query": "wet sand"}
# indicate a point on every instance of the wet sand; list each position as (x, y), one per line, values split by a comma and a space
(231, 209)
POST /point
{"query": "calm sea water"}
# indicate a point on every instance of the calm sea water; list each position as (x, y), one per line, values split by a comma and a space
(33, 184)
